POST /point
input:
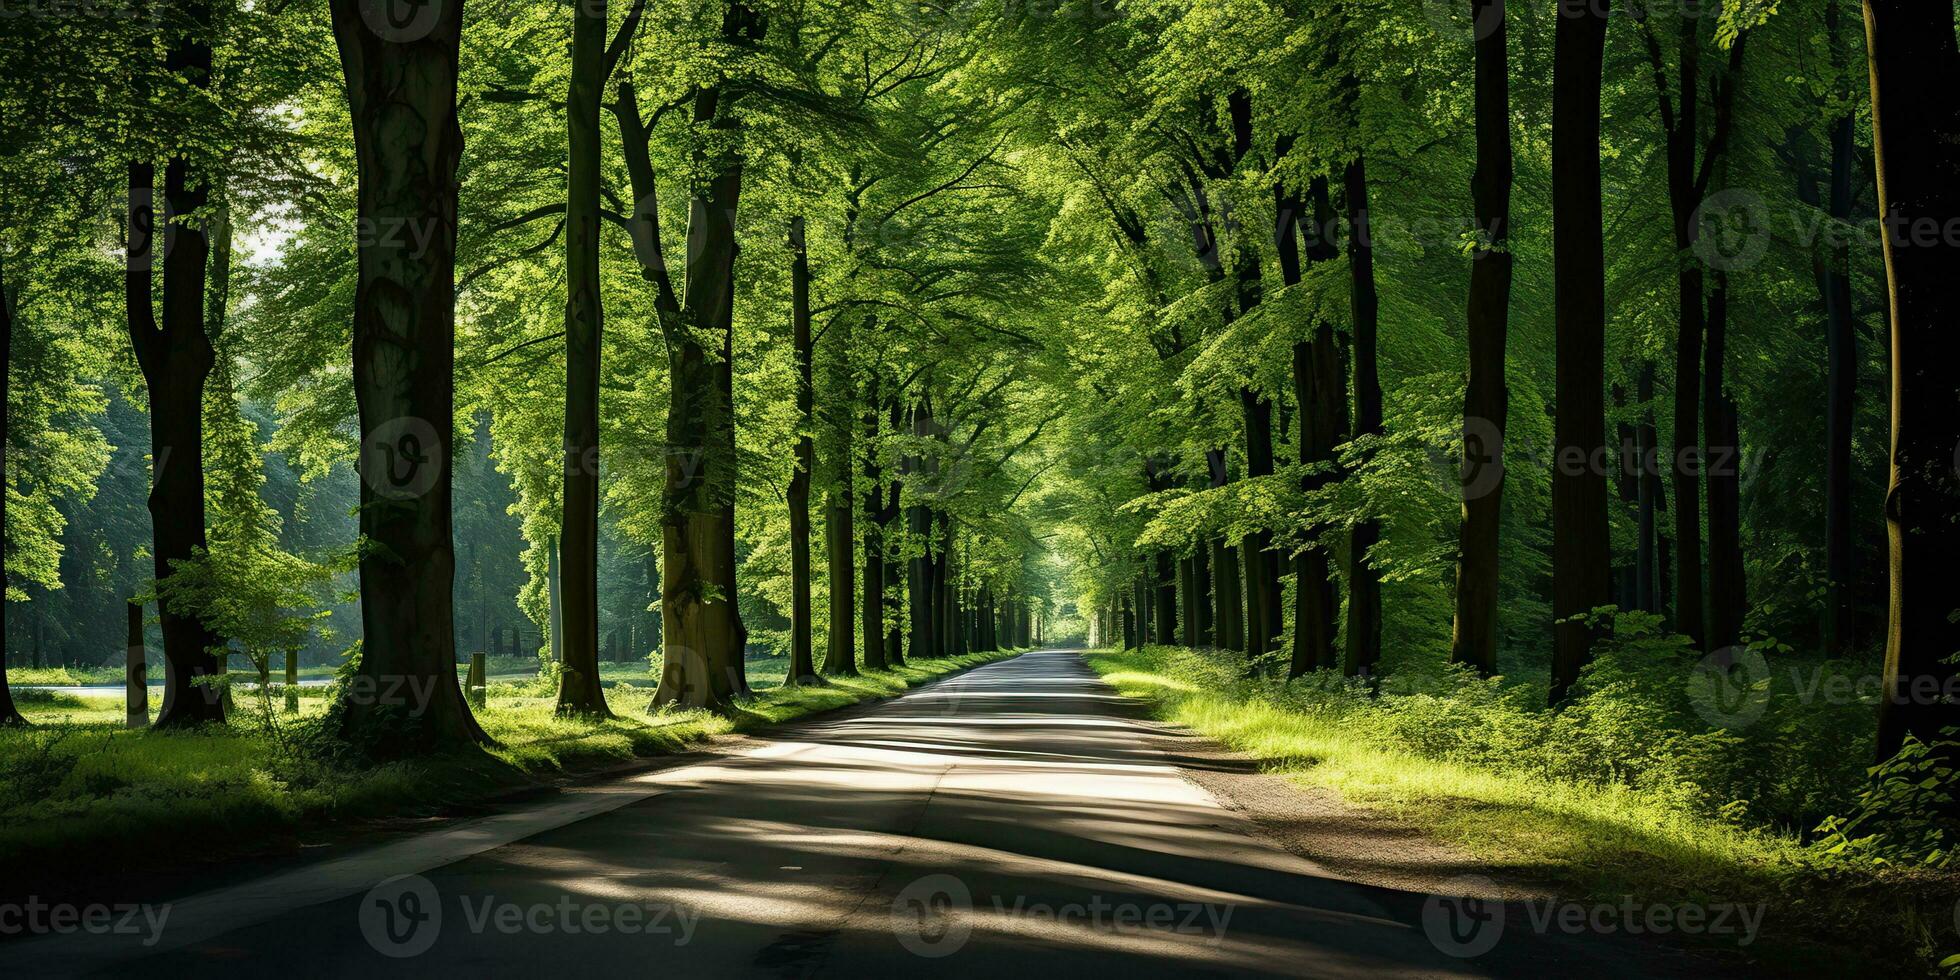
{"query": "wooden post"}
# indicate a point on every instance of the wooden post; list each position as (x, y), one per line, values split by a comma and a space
(136, 681)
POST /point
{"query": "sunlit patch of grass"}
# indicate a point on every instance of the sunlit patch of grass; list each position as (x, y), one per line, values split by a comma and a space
(80, 785)
(1591, 840)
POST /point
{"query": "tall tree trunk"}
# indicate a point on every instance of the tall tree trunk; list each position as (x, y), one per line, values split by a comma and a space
(1580, 550)
(1647, 564)
(1129, 625)
(401, 93)
(1727, 596)
(1262, 592)
(1486, 397)
(1364, 625)
(1187, 588)
(840, 534)
(175, 361)
(1912, 52)
(922, 589)
(1201, 565)
(9, 714)
(894, 573)
(874, 538)
(1165, 599)
(1841, 386)
(946, 602)
(802, 665)
(1229, 614)
(702, 625)
(580, 691)
(1320, 390)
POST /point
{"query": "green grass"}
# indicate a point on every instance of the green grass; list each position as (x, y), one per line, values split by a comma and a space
(80, 785)
(1593, 840)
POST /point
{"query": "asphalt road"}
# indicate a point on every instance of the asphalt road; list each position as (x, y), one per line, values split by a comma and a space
(1014, 821)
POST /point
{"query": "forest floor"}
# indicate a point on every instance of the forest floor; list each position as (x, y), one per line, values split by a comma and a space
(1524, 835)
(106, 799)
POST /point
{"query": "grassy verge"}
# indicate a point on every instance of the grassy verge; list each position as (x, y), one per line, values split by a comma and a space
(80, 786)
(1595, 841)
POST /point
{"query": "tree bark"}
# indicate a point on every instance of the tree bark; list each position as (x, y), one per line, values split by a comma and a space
(175, 361)
(702, 625)
(401, 93)
(1912, 55)
(580, 690)
(1320, 390)
(1841, 385)
(1580, 549)
(9, 714)
(802, 665)
(874, 538)
(1364, 625)
(840, 534)
(1486, 397)
(1229, 600)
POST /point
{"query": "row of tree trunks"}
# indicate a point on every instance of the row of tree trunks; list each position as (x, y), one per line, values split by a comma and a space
(1487, 397)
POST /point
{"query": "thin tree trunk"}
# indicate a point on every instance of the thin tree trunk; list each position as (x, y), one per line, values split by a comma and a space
(1727, 595)
(802, 664)
(580, 691)
(1165, 598)
(1487, 396)
(1364, 624)
(1580, 549)
(920, 590)
(894, 573)
(401, 94)
(1229, 600)
(1201, 562)
(1841, 385)
(1912, 52)
(9, 714)
(874, 538)
(840, 534)
(1187, 587)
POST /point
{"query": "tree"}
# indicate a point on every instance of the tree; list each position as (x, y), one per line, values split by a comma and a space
(1912, 52)
(580, 690)
(176, 357)
(802, 668)
(1486, 399)
(1579, 530)
(401, 92)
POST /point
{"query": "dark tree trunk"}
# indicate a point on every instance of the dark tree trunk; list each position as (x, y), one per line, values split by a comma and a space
(1841, 385)
(580, 690)
(1165, 599)
(1187, 587)
(401, 94)
(1229, 612)
(1262, 591)
(1626, 483)
(1201, 564)
(9, 714)
(1320, 390)
(1647, 564)
(1486, 397)
(874, 539)
(920, 587)
(1129, 625)
(840, 533)
(1917, 138)
(894, 572)
(175, 361)
(802, 665)
(1364, 624)
(1727, 595)
(1580, 548)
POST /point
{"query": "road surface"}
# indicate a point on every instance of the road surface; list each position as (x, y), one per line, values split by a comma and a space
(1014, 821)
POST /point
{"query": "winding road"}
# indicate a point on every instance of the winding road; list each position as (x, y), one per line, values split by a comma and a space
(1017, 820)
